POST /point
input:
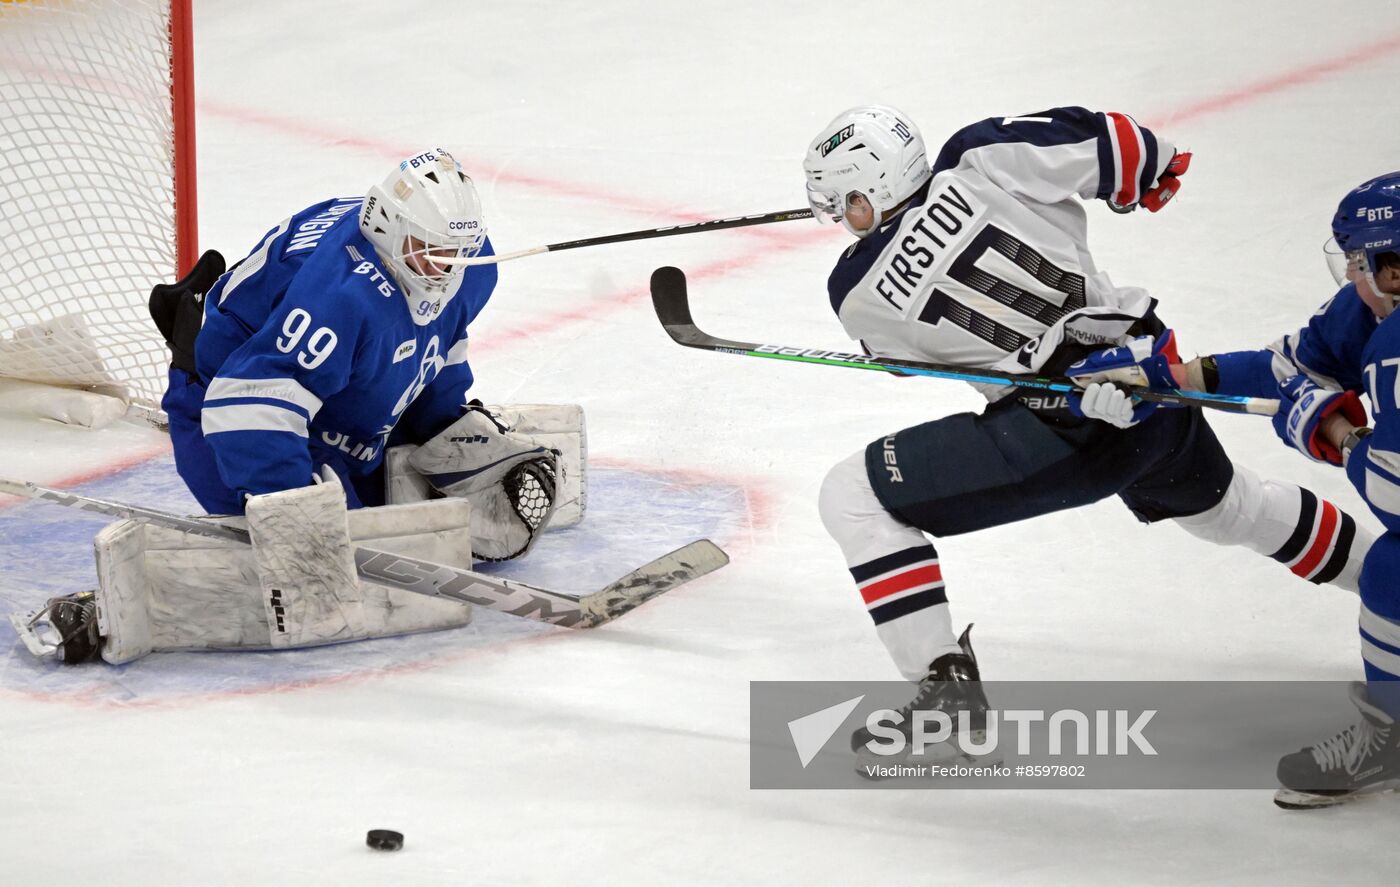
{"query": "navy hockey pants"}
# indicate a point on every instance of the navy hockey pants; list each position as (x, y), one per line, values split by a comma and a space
(970, 471)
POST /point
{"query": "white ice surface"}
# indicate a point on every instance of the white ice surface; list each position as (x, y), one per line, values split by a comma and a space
(511, 754)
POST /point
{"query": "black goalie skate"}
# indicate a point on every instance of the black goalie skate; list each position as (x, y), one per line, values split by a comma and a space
(952, 685)
(66, 627)
(1361, 760)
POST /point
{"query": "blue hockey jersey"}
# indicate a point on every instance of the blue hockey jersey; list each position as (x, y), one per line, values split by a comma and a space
(312, 353)
(1343, 347)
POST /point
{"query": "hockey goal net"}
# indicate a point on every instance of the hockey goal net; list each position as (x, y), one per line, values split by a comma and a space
(97, 185)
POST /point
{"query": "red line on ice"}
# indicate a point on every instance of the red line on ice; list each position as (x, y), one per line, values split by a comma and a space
(1299, 76)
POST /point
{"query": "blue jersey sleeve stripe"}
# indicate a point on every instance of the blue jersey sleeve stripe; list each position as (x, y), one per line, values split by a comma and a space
(1384, 462)
(1382, 631)
(258, 401)
(1382, 659)
(1382, 493)
(251, 417)
(289, 390)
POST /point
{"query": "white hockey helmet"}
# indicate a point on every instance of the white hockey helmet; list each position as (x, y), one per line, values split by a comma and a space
(426, 208)
(873, 150)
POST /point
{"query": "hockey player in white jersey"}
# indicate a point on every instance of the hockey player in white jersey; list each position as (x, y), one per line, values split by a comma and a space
(980, 259)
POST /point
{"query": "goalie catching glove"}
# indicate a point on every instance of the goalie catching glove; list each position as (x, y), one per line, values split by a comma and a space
(510, 481)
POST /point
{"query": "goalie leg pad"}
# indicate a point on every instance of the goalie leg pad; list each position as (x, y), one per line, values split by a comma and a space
(162, 590)
(301, 548)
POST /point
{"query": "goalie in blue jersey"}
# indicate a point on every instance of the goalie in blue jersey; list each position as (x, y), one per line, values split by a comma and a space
(338, 338)
(322, 376)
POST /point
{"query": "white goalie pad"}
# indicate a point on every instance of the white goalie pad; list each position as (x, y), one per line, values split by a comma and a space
(557, 427)
(163, 590)
(301, 552)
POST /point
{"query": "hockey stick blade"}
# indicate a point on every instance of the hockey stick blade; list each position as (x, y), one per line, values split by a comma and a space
(440, 580)
(670, 299)
(644, 583)
(789, 215)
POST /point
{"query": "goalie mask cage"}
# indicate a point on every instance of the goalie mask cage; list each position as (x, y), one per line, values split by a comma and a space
(98, 188)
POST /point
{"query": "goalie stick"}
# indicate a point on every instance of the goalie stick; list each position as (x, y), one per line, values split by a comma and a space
(672, 304)
(645, 234)
(439, 580)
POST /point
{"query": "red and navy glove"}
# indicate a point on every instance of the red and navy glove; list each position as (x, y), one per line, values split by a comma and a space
(1303, 404)
(1168, 183)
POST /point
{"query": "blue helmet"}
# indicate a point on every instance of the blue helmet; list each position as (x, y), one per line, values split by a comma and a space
(1367, 224)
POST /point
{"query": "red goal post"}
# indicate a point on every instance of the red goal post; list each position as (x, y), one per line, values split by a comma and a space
(97, 183)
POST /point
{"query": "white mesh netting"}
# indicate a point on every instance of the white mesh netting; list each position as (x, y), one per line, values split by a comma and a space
(87, 186)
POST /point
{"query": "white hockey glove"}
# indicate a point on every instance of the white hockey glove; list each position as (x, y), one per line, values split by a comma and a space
(1108, 403)
(509, 481)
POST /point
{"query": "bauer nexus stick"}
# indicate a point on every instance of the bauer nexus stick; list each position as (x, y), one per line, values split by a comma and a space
(647, 234)
(669, 298)
(439, 580)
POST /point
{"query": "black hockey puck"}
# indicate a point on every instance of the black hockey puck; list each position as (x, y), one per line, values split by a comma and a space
(384, 839)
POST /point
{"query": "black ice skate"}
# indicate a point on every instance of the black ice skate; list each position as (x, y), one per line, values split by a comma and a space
(952, 685)
(1361, 760)
(65, 627)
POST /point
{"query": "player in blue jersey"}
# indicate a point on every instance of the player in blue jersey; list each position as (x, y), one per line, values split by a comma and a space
(1350, 347)
(335, 351)
(981, 260)
(340, 335)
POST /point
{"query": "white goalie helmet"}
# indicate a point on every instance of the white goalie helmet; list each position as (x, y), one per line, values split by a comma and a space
(873, 150)
(427, 208)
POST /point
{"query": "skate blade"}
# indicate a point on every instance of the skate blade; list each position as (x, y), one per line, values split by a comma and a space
(36, 634)
(1291, 799)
